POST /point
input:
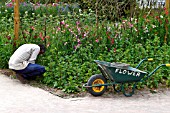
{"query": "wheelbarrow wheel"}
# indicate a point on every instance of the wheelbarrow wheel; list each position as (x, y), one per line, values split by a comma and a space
(97, 80)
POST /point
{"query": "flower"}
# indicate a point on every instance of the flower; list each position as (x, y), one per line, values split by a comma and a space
(10, 5)
(77, 23)
(161, 16)
(108, 28)
(58, 28)
(114, 50)
(153, 26)
(97, 40)
(124, 21)
(9, 37)
(78, 40)
(65, 43)
(130, 25)
(32, 28)
(66, 26)
(166, 11)
(62, 23)
(75, 47)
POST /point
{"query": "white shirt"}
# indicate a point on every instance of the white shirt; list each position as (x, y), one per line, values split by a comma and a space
(24, 55)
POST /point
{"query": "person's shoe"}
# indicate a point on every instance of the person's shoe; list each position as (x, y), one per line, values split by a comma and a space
(21, 79)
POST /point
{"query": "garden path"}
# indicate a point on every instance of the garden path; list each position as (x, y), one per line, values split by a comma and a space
(18, 98)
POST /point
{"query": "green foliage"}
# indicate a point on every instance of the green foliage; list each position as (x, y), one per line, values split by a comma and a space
(6, 50)
(74, 40)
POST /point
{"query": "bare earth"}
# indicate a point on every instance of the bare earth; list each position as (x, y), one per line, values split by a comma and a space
(18, 98)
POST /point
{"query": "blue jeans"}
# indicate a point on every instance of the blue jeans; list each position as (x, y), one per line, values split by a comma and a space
(32, 70)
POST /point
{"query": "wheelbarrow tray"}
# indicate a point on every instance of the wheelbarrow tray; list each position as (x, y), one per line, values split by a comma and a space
(120, 72)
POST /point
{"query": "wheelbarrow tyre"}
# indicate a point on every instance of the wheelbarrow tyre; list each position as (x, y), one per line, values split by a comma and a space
(94, 80)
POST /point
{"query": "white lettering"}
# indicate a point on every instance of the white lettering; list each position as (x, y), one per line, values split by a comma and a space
(138, 74)
(124, 71)
(130, 73)
(120, 71)
(116, 70)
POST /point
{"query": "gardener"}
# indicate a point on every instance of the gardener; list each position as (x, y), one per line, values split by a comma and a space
(23, 62)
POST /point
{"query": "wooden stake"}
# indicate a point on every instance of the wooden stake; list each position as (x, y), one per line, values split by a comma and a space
(16, 21)
(167, 4)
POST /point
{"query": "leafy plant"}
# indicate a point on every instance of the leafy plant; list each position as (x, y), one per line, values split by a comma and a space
(74, 39)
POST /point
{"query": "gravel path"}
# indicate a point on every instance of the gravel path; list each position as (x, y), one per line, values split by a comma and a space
(18, 98)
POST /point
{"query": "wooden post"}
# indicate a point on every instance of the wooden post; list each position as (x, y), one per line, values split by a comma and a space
(167, 4)
(16, 21)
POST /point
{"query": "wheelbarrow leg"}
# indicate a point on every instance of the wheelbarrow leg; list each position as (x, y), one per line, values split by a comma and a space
(128, 94)
(116, 89)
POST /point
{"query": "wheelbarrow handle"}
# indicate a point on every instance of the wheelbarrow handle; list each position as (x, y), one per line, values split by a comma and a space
(167, 65)
(150, 59)
(145, 59)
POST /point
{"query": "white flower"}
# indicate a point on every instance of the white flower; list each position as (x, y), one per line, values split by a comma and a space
(51, 16)
(80, 10)
(161, 16)
(108, 29)
(116, 24)
(26, 12)
(146, 30)
(153, 26)
(136, 30)
(9, 19)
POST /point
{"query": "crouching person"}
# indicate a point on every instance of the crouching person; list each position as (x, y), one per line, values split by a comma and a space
(23, 62)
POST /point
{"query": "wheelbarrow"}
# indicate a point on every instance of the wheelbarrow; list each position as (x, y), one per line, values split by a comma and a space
(118, 74)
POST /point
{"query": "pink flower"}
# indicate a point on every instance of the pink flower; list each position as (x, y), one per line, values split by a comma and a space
(78, 40)
(97, 40)
(130, 25)
(85, 34)
(79, 29)
(77, 23)
(13, 0)
(32, 28)
(66, 26)
(10, 5)
(58, 29)
(70, 30)
(75, 47)
(62, 23)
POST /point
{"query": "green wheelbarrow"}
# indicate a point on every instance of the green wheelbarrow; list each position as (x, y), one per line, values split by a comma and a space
(118, 74)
